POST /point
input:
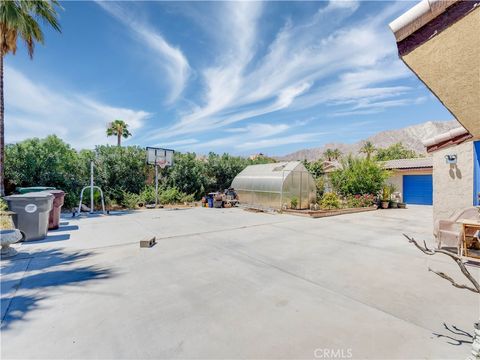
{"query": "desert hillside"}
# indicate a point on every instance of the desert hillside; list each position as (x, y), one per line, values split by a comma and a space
(411, 137)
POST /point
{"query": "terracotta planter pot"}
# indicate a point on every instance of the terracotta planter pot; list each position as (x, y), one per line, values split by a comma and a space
(385, 204)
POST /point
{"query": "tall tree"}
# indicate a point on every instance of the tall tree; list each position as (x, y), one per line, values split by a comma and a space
(368, 149)
(118, 128)
(332, 154)
(18, 18)
(394, 152)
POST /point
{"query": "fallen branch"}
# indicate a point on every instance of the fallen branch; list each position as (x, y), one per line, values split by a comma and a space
(456, 258)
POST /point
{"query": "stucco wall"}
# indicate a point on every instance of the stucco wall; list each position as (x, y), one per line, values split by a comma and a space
(396, 179)
(452, 185)
(448, 64)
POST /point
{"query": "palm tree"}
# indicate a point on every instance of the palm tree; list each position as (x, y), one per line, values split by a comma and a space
(332, 154)
(119, 129)
(368, 148)
(18, 18)
(328, 154)
(337, 154)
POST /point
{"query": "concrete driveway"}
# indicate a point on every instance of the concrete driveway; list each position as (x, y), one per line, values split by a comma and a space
(226, 283)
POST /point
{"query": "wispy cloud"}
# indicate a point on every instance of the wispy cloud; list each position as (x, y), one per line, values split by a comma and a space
(322, 60)
(170, 59)
(33, 110)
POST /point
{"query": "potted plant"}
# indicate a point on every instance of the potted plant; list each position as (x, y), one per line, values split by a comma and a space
(385, 197)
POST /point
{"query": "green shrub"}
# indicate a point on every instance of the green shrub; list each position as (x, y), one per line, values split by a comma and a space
(330, 200)
(3, 205)
(97, 198)
(148, 194)
(119, 169)
(44, 162)
(357, 201)
(359, 176)
(130, 200)
(293, 202)
(320, 186)
(187, 198)
(171, 196)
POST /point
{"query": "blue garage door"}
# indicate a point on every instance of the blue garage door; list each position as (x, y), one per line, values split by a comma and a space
(418, 189)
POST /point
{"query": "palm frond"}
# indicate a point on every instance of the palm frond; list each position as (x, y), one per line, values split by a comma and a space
(20, 19)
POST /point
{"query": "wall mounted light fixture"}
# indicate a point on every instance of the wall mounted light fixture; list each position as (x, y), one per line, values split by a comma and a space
(451, 159)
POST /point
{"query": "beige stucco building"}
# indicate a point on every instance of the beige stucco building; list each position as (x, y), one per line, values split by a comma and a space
(439, 41)
(412, 179)
(453, 184)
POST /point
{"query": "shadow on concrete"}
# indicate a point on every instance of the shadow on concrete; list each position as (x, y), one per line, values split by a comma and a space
(86, 215)
(455, 336)
(44, 259)
(65, 228)
(45, 271)
(49, 238)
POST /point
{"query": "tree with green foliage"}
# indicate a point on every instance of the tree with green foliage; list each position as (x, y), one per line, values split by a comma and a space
(358, 176)
(188, 175)
(118, 169)
(394, 152)
(222, 169)
(19, 19)
(44, 162)
(314, 167)
(332, 154)
(368, 149)
(118, 128)
(121, 172)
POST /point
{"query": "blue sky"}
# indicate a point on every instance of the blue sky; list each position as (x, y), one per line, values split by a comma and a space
(249, 77)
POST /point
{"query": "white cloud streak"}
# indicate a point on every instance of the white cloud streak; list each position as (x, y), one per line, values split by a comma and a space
(303, 67)
(168, 58)
(33, 110)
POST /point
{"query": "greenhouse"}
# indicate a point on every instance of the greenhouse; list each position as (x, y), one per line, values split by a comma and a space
(276, 186)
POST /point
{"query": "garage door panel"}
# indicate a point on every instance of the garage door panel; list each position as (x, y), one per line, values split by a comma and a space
(418, 189)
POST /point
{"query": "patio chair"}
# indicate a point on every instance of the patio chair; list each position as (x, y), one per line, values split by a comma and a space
(448, 233)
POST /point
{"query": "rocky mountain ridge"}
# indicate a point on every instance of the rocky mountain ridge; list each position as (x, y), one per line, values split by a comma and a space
(411, 137)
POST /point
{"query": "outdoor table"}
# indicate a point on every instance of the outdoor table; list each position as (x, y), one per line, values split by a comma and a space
(468, 224)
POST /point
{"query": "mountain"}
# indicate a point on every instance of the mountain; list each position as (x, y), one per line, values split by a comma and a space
(411, 137)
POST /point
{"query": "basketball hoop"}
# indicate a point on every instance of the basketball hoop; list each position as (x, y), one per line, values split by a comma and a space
(161, 161)
(161, 158)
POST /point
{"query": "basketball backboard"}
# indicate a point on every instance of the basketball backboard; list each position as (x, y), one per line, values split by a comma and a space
(159, 156)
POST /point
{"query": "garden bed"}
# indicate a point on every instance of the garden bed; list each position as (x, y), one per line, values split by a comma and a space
(324, 213)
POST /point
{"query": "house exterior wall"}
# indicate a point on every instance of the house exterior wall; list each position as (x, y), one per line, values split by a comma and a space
(452, 185)
(448, 64)
(396, 179)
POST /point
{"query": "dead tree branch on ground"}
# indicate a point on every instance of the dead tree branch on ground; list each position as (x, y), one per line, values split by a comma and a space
(458, 261)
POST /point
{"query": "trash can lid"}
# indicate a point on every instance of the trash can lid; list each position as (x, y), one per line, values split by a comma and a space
(56, 193)
(30, 195)
(24, 190)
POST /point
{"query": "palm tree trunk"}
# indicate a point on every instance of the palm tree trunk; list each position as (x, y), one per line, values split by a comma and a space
(2, 130)
(119, 139)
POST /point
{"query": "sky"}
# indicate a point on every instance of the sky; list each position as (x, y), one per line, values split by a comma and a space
(237, 77)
